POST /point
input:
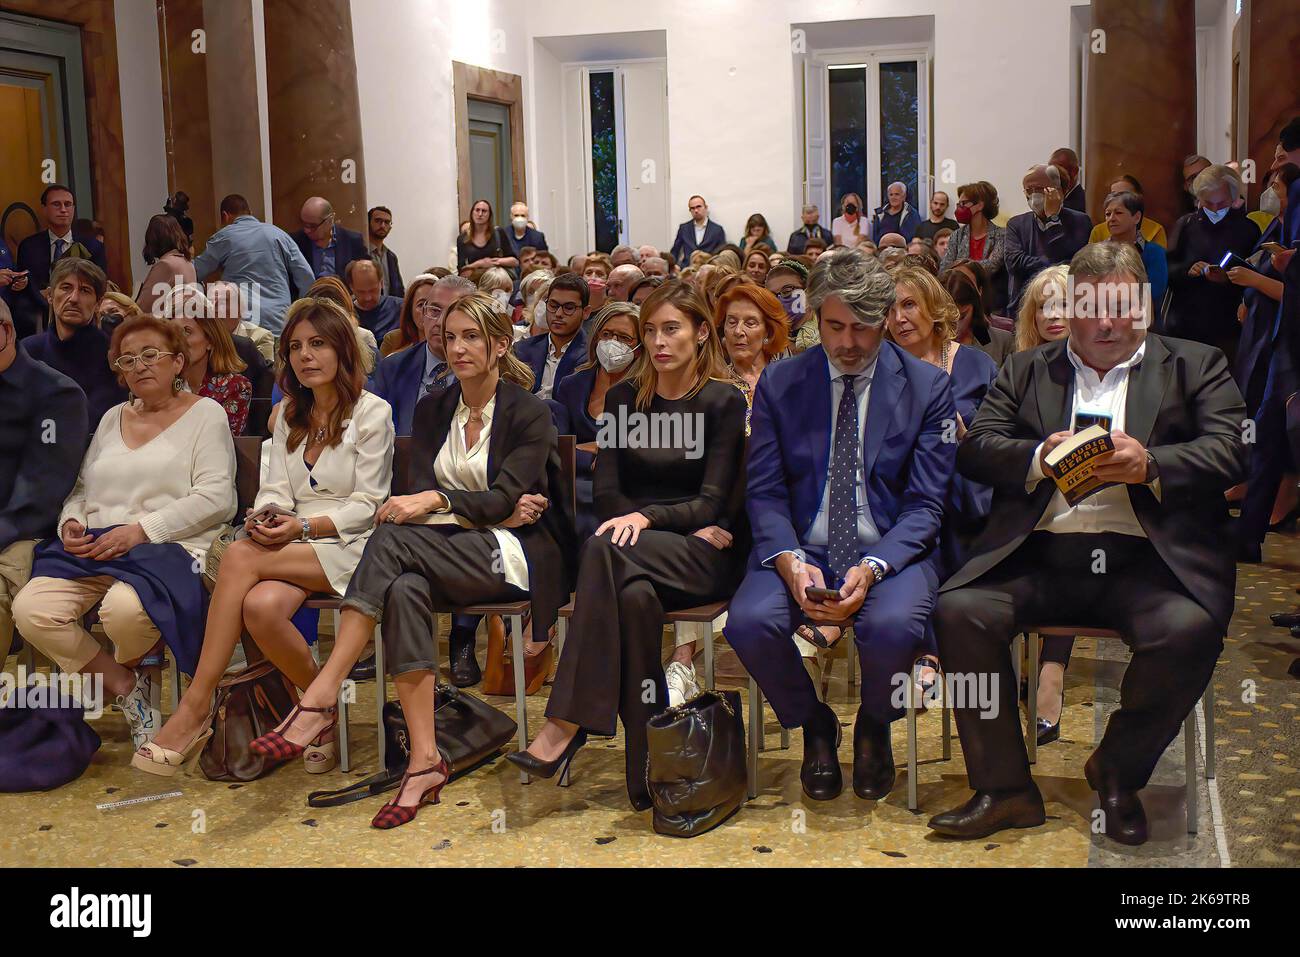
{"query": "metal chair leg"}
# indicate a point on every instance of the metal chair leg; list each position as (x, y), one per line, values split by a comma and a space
(521, 688)
(708, 659)
(1031, 733)
(755, 735)
(947, 716)
(341, 731)
(912, 802)
(1207, 700)
(176, 685)
(381, 694)
(1189, 757)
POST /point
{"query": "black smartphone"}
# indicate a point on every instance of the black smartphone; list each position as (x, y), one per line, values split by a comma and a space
(823, 594)
(1084, 419)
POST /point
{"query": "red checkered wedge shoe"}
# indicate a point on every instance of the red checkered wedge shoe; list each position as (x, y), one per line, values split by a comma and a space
(275, 745)
(393, 814)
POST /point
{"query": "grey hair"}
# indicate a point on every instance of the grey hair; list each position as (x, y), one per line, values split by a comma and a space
(1212, 177)
(458, 284)
(810, 208)
(636, 253)
(1109, 258)
(1051, 171)
(859, 282)
(899, 183)
(176, 304)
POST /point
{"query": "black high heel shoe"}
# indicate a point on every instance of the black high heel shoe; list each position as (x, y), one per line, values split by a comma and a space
(1048, 732)
(1288, 522)
(548, 769)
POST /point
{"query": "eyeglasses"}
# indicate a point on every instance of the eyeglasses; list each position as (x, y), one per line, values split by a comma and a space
(428, 308)
(609, 335)
(965, 202)
(127, 362)
(312, 227)
(562, 308)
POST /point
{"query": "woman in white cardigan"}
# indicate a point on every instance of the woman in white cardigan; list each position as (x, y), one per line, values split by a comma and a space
(155, 487)
(331, 465)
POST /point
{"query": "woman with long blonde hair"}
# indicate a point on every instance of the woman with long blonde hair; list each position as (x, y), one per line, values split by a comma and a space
(673, 533)
(487, 521)
(1042, 309)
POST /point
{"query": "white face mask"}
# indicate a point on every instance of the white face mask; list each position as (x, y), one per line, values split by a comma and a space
(613, 356)
(519, 222)
(1270, 202)
(539, 314)
(1215, 215)
(1038, 203)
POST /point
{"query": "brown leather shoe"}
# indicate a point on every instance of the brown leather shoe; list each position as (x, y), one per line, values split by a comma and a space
(988, 812)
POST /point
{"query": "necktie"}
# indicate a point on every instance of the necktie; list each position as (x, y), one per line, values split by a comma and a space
(60, 246)
(433, 379)
(842, 520)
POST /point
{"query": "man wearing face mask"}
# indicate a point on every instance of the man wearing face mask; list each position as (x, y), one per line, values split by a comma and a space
(787, 282)
(520, 234)
(1049, 233)
(1204, 304)
(810, 228)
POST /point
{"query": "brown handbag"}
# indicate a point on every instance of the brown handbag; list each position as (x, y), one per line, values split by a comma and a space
(499, 673)
(249, 704)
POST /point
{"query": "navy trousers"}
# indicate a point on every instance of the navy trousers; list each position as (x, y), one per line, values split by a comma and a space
(889, 631)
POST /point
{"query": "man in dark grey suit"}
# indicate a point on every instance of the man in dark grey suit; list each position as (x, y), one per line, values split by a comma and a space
(699, 232)
(1146, 556)
(1049, 233)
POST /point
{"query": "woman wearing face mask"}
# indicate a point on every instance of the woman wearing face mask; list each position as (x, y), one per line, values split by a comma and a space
(849, 228)
(673, 535)
(1204, 301)
(612, 346)
(980, 239)
(787, 282)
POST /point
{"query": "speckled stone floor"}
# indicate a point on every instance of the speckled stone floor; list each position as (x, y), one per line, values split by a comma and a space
(490, 818)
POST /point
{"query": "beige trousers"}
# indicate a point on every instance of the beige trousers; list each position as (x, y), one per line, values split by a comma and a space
(48, 612)
(15, 569)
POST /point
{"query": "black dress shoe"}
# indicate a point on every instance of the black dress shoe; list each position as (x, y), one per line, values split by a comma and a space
(1285, 619)
(873, 759)
(464, 666)
(363, 670)
(1123, 816)
(988, 812)
(820, 774)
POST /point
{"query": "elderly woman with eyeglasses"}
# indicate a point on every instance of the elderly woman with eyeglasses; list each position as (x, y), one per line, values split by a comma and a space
(155, 487)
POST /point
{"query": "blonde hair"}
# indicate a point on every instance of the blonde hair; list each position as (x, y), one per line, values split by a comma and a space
(1051, 280)
(535, 284)
(493, 325)
(494, 279)
(709, 362)
(937, 305)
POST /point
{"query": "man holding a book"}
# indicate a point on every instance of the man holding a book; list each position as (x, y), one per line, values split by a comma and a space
(1109, 453)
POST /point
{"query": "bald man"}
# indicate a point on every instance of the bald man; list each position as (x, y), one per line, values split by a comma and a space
(621, 280)
(1066, 161)
(327, 246)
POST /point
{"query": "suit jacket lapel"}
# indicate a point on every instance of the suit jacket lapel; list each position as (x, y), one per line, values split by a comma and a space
(887, 385)
(1146, 390)
(1054, 390)
(819, 415)
(500, 415)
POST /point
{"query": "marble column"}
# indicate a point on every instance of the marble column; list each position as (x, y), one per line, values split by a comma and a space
(1141, 101)
(314, 110)
(1274, 70)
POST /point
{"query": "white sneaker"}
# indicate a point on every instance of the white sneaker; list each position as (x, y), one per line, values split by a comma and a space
(682, 683)
(143, 718)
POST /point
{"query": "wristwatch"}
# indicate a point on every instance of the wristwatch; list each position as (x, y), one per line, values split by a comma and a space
(306, 530)
(877, 570)
(1153, 469)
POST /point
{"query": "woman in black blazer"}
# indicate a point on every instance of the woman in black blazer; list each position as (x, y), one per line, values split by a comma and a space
(673, 533)
(491, 524)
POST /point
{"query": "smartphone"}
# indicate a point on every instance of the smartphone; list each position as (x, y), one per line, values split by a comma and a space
(1085, 419)
(1275, 248)
(823, 594)
(267, 512)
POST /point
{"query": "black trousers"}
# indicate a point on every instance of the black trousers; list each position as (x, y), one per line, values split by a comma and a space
(1050, 580)
(409, 573)
(611, 666)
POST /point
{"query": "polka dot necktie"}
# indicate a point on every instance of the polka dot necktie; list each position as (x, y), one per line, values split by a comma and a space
(842, 519)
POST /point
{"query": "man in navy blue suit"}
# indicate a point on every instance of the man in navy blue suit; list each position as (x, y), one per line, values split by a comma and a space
(1048, 234)
(327, 246)
(553, 355)
(38, 253)
(407, 376)
(699, 232)
(851, 454)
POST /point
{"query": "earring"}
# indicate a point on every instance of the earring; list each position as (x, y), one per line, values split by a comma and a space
(178, 384)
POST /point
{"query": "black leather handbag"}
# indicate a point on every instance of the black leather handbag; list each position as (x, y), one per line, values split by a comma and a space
(696, 770)
(469, 730)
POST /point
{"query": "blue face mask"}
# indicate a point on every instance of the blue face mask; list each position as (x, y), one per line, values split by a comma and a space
(1215, 215)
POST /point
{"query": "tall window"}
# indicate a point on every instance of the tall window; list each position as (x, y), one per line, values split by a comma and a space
(604, 160)
(848, 129)
(898, 132)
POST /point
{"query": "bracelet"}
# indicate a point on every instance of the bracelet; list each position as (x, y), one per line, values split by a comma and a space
(306, 529)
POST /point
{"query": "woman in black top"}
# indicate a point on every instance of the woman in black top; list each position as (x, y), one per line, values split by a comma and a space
(483, 245)
(673, 534)
(487, 520)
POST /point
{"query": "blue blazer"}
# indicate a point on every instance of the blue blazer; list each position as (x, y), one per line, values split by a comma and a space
(714, 239)
(349, 247)
(1030, 249)
(572, 395)
(532, 351)
(397, 380)
(908, 460)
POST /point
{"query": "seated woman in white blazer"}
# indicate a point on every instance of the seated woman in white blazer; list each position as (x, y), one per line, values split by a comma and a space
(330, 470)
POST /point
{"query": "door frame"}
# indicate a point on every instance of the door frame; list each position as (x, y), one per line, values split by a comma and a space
(496, 87)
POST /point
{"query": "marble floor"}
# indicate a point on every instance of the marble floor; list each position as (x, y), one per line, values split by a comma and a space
(1248, 815)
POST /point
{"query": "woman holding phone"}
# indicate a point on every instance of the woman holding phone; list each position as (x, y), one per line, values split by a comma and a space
(331, 467)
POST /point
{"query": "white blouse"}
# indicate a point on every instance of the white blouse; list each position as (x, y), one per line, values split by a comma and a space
(180, 485)
(466, 470)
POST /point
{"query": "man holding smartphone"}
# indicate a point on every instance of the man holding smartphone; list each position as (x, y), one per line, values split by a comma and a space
(850, 459)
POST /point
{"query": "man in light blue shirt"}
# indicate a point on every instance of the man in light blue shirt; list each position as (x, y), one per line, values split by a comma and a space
(260, 258)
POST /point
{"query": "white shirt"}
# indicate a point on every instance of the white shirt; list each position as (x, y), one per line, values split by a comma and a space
(699, 231)
(554, 354)
(466, 470)
(1109, 510)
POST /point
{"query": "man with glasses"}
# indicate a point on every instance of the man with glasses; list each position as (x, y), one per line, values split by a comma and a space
(380, 224)
(73, 345)
(326, 245)
(554, 354)
(699, 232)
(38, 253)
(406, 377)
(42, 439)
(1049, 233)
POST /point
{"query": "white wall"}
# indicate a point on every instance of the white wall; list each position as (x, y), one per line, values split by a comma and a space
(143, 146)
